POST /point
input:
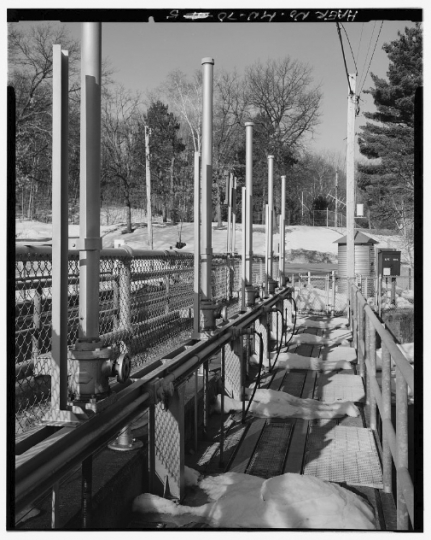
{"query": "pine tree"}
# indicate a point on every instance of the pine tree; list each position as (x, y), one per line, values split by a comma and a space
(387, 182)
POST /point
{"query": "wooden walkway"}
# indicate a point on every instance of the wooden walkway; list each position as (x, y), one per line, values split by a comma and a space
(342, 450)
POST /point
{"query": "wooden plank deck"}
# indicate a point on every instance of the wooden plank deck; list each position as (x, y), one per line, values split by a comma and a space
(242, 440)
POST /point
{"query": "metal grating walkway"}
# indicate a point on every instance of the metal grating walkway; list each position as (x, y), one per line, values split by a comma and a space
(343, 454)
(270, 454)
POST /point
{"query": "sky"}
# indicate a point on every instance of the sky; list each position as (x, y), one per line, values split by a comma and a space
(142, 55)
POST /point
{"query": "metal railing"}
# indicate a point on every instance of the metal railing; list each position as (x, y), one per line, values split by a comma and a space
(367, 330)
(146, 308)
(41, 467)
(324, 293)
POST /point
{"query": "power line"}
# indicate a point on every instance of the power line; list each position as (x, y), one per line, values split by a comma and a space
(372, 56)
(368, 50)
(351, 50)
(344, 56)
(360, 40)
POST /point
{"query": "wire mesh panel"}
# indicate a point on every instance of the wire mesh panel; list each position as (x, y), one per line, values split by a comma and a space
(233, 371)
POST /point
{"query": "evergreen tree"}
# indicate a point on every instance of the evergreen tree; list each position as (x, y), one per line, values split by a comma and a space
(387, 182)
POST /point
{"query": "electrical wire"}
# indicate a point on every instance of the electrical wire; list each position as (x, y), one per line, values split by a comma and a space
(368, 50)
(344, 56)
(280, 343)
(244, 413)
(372, 56)
(351, 50)
(294, 323)
(360, 40)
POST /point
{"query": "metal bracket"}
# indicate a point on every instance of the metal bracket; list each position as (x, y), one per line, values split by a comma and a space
(86, 244)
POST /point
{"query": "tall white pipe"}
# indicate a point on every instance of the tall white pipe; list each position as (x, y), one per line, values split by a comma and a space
(270, 214)
(282, 232)
(60, 174)
(233, 216)
(90, 242)
(206, 182)
(197, 219)
(244, 244)
(249, 200)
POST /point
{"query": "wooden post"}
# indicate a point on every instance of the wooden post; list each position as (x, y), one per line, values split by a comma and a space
(350, 178)
(371, 355)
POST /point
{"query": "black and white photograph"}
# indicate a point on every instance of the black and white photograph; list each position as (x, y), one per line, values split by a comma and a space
(214, 257)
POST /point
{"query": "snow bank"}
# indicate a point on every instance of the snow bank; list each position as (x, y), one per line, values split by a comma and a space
(286, 501)
(273, 404)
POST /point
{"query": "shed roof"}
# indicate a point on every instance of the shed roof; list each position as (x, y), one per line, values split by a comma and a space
(359, 238)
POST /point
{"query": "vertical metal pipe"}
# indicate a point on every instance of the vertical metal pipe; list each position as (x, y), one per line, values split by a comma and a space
(228, 200)
(386, 415)
(282, 233)
(55, 505)
(244, 247)
(233, 215)
(350, 178)
(197, 231)
(195, 431)
(90, 182)
(270, 213)
(206, 175)
(60, 177)
(402, 446)
(267, 253)
(206, 404)
(87, 491)
(221, 462)
(148, 186)
(249, 200)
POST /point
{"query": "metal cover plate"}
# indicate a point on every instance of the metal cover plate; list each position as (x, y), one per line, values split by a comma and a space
(340, 387)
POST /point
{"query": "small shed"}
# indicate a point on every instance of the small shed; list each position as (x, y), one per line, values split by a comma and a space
(364, 261)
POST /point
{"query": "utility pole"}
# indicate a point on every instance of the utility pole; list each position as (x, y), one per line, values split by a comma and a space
(350, 178)
(148, 180)
(336, 199)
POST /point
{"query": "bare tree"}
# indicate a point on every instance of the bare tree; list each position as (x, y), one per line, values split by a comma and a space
(281, 91)
(122, 147)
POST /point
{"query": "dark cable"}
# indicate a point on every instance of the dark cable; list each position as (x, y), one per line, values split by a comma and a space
(279, 345)
(244, 414)
(294, 324)
(344, 57)
(351, 50)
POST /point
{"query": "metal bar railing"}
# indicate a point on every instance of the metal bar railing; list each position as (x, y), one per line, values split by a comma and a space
(42, 466)
(394, 440)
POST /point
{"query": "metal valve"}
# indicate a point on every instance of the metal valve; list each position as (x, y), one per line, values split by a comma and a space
(121, 367)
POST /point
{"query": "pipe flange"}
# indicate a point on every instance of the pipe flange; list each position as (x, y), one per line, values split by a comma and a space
(122, 367)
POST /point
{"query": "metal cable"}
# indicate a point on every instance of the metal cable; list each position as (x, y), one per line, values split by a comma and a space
(244, 414)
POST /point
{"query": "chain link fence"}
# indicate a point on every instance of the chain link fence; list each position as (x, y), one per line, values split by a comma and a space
(145, 307)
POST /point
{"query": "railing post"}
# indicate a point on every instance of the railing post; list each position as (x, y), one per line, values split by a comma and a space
(37, 322)
(333, 293)
(402, 446)
(362, 333)
(371, 355)
(386, 415)
(328, 310)
(125, 279)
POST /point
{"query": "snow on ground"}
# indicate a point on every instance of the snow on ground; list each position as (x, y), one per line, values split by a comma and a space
(302, 242)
